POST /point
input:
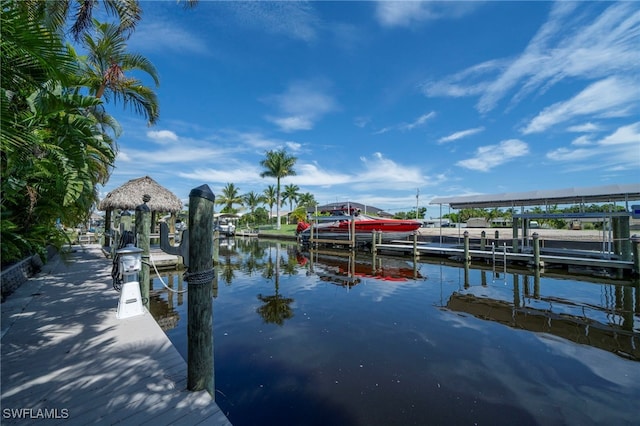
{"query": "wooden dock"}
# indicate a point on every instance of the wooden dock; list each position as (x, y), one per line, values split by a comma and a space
(500, 255)
(161, 259)
(66, 356)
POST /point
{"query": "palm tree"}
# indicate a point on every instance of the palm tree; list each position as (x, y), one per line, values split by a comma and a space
(55, 14)
(307, 200)
(230, 196)
(278, 164)
(270, 198)
(252, 200)
(290, 194)
(104, 71)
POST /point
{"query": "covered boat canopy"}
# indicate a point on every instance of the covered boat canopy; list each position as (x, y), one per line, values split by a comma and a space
(588, 195)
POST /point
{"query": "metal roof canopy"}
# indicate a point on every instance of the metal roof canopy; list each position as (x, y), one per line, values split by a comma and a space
(589, 195)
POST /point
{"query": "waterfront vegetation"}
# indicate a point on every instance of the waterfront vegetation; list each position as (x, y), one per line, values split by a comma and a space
(58, 140)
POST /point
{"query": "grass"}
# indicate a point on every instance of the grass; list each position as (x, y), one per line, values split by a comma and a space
(285, 230)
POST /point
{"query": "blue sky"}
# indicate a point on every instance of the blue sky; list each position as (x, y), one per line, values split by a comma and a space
(380, 100)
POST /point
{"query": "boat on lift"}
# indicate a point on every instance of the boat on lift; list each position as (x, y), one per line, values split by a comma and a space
(225, 223)
(337, 225)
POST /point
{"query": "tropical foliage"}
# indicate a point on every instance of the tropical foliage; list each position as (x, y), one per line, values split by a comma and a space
(252, 200)
(57, 140)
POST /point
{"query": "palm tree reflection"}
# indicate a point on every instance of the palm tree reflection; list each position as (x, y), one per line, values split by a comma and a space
(276, 308)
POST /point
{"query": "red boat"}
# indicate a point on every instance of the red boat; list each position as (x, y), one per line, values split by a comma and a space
(338, 226)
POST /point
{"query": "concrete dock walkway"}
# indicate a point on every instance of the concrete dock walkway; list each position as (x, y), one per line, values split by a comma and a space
(65, 356)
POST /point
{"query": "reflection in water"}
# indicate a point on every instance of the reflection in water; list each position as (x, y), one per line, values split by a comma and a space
(348, 268)
(463, 346)
(607, 326)
(163, 301)
(276, 308)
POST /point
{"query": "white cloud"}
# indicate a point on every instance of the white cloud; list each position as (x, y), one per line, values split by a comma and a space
(293, 19)
(461, 134)
(419, 121)
(310, 174)
(384, 173)
(292, 124)
(176, 155)
(408, 126)
(584, 128)
(293, 146)
(383, 130)
(373, 173)
(396, 13)
(602, 97)
(165, 36)
(407, 13)
(582, 141)
(568, 46)
(470, 82)
(625, 135)
(255, 140)
(490, 156)
(361, 122)
(123, 156)
(301, 106)
(573, 155)
(162, 136)
(618, 151)
(238, 173)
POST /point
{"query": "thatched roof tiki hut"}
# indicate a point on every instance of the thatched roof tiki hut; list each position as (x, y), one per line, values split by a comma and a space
(130, 195)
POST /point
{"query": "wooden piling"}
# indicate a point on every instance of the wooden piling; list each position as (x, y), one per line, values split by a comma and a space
(373, 242)
(483, 240)
(514, 243)
(352, 225)
(536, 251)
(466, 275)
(199, 277)
(216, 262)
(635, 242)
(216, 247)
(143, 225)
(107, 229)
(467, 256)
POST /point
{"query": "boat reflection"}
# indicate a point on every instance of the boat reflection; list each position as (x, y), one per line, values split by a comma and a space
(608, 325)
(347, 269)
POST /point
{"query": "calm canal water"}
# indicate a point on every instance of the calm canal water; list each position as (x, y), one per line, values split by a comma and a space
(321, 339)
